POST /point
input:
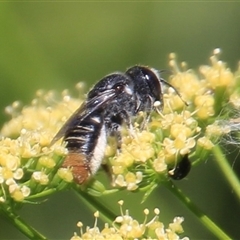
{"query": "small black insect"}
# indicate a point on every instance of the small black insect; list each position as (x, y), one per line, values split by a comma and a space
(114, 100)
(181, 170)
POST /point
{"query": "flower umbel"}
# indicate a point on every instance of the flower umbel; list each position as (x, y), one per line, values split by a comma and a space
(180, 130)
(146, 156)
(29, 165)
(126, 227)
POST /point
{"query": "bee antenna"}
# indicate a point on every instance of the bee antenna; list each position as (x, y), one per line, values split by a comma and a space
(165, 71)
(176, 91)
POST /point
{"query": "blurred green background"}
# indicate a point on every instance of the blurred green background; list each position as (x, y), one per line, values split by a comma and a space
(54, 45)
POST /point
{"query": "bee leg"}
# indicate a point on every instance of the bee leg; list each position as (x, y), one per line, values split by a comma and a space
(128, 121)
(118, 137)
(114, 129)
(145, 121)
(116, 133)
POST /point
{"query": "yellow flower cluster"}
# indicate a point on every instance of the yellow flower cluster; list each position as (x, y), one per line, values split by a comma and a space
(146, 156)
(180, 130)
(43, 117)
(202, 93)
(126, 227)
(26, 158)
(135, 149)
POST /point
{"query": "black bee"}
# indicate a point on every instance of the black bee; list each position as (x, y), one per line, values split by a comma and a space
(114, 100)
(86, 131)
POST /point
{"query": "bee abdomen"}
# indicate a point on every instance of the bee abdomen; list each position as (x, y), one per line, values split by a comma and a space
(86, 144)
(83, 137)
(78, 164)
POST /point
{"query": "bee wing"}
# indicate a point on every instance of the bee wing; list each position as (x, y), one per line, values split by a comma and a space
(84, 111)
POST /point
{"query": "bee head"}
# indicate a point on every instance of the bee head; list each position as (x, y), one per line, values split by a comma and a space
(147, 86)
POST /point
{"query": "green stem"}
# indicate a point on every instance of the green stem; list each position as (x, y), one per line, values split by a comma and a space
(105, 213)
(227, 170)
(21, 225)
(204, 219)
(41, 194)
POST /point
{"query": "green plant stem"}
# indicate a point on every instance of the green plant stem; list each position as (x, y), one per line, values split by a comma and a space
(42, 194)
(95, 205)
(227, 170)
(21, 225)
(206, 221)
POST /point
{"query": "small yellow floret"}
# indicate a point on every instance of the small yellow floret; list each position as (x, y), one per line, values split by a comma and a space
(47, 161)
(206, 143)
(65, 174)
(40, 177)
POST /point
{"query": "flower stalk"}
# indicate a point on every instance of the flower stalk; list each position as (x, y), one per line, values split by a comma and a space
(21, 225)
(203, 218)
(227, 170)
(92, 203)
